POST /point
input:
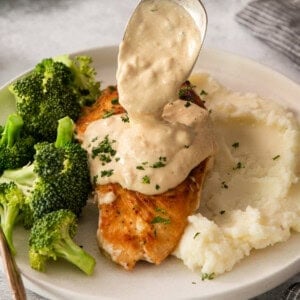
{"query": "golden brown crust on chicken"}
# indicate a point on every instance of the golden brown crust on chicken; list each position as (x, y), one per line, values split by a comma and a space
(135, 226)
(140, 227)
(106, 103)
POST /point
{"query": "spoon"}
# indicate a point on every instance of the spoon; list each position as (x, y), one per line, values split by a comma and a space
(160, 47)
(197, 11)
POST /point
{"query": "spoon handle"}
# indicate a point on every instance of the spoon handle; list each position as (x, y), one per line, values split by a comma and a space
(11, 270)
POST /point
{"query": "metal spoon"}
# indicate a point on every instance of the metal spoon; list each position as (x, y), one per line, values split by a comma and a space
(197, 11)
(160, 47)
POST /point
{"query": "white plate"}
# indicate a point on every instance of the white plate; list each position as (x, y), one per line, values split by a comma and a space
(259, 272)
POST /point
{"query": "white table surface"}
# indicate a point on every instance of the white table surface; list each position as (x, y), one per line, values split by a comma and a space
(34, 29)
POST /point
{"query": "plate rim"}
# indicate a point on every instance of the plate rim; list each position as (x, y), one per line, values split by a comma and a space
(289, 269)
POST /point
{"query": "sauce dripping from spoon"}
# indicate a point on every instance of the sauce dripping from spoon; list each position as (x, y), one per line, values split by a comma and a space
(158, 51)
(164, 139)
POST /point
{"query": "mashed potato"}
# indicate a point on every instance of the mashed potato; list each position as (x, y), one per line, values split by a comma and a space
(251, 196)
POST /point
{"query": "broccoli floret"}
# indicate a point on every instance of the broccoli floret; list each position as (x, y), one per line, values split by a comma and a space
(57, 179)
(11, 204)
(55, 88)
(16, 148)
(84, 83)
(51, 237)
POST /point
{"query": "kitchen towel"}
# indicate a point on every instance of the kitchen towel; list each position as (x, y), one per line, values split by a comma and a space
(289, 290)
(277, 22)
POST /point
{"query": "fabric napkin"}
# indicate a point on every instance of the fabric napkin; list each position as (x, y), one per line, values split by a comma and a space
(289, 290)
(277, 22)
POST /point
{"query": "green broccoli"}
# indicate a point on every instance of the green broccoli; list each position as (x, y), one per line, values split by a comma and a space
(52, 237)
(55, 88)
(16, 148)
(11, 204)
(84, 77)
(57, 179)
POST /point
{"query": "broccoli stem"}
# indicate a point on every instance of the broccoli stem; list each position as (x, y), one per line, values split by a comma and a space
(65, 131)
(11, 130)
(67, 249)
(23, 177)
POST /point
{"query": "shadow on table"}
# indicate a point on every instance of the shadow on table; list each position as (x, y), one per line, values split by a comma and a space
(34, 6)
(290, 290)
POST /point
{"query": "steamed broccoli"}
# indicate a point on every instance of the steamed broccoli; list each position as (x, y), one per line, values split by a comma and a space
(55, 88)
(16, 148)
(84, 83)
(58, 177)
(11, 204)
(52, 237)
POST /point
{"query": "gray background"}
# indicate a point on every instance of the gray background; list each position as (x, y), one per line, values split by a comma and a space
(34, 29)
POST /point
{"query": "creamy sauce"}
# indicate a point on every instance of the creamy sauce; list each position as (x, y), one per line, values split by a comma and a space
(152, 157)
(159, 49)
(164, 138)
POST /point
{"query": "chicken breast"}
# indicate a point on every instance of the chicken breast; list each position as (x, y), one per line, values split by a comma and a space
(133, 226)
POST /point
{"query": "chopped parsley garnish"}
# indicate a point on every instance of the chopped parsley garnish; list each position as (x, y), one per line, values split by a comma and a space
(117, 158)
(94, 139)
(107, 173)
(161, 220)
(161, 210)
(104, 158)
(95, 178)
(104, 150)
(222, 212)
(276, 157)
(239, 165)
(196, 234)
(140, 167)
(112, 88)
(208, 276)
(107, 114)
(146, 179)
(187, 104)
(224, 185)
(115, 101)
(235, 145)
(182, 92)
(203, 93)
(125, 118)
(157, 187)
(160, 163)
(186, 93)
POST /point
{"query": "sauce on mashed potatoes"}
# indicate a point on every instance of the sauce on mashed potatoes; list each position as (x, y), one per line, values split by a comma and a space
(250, 198)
